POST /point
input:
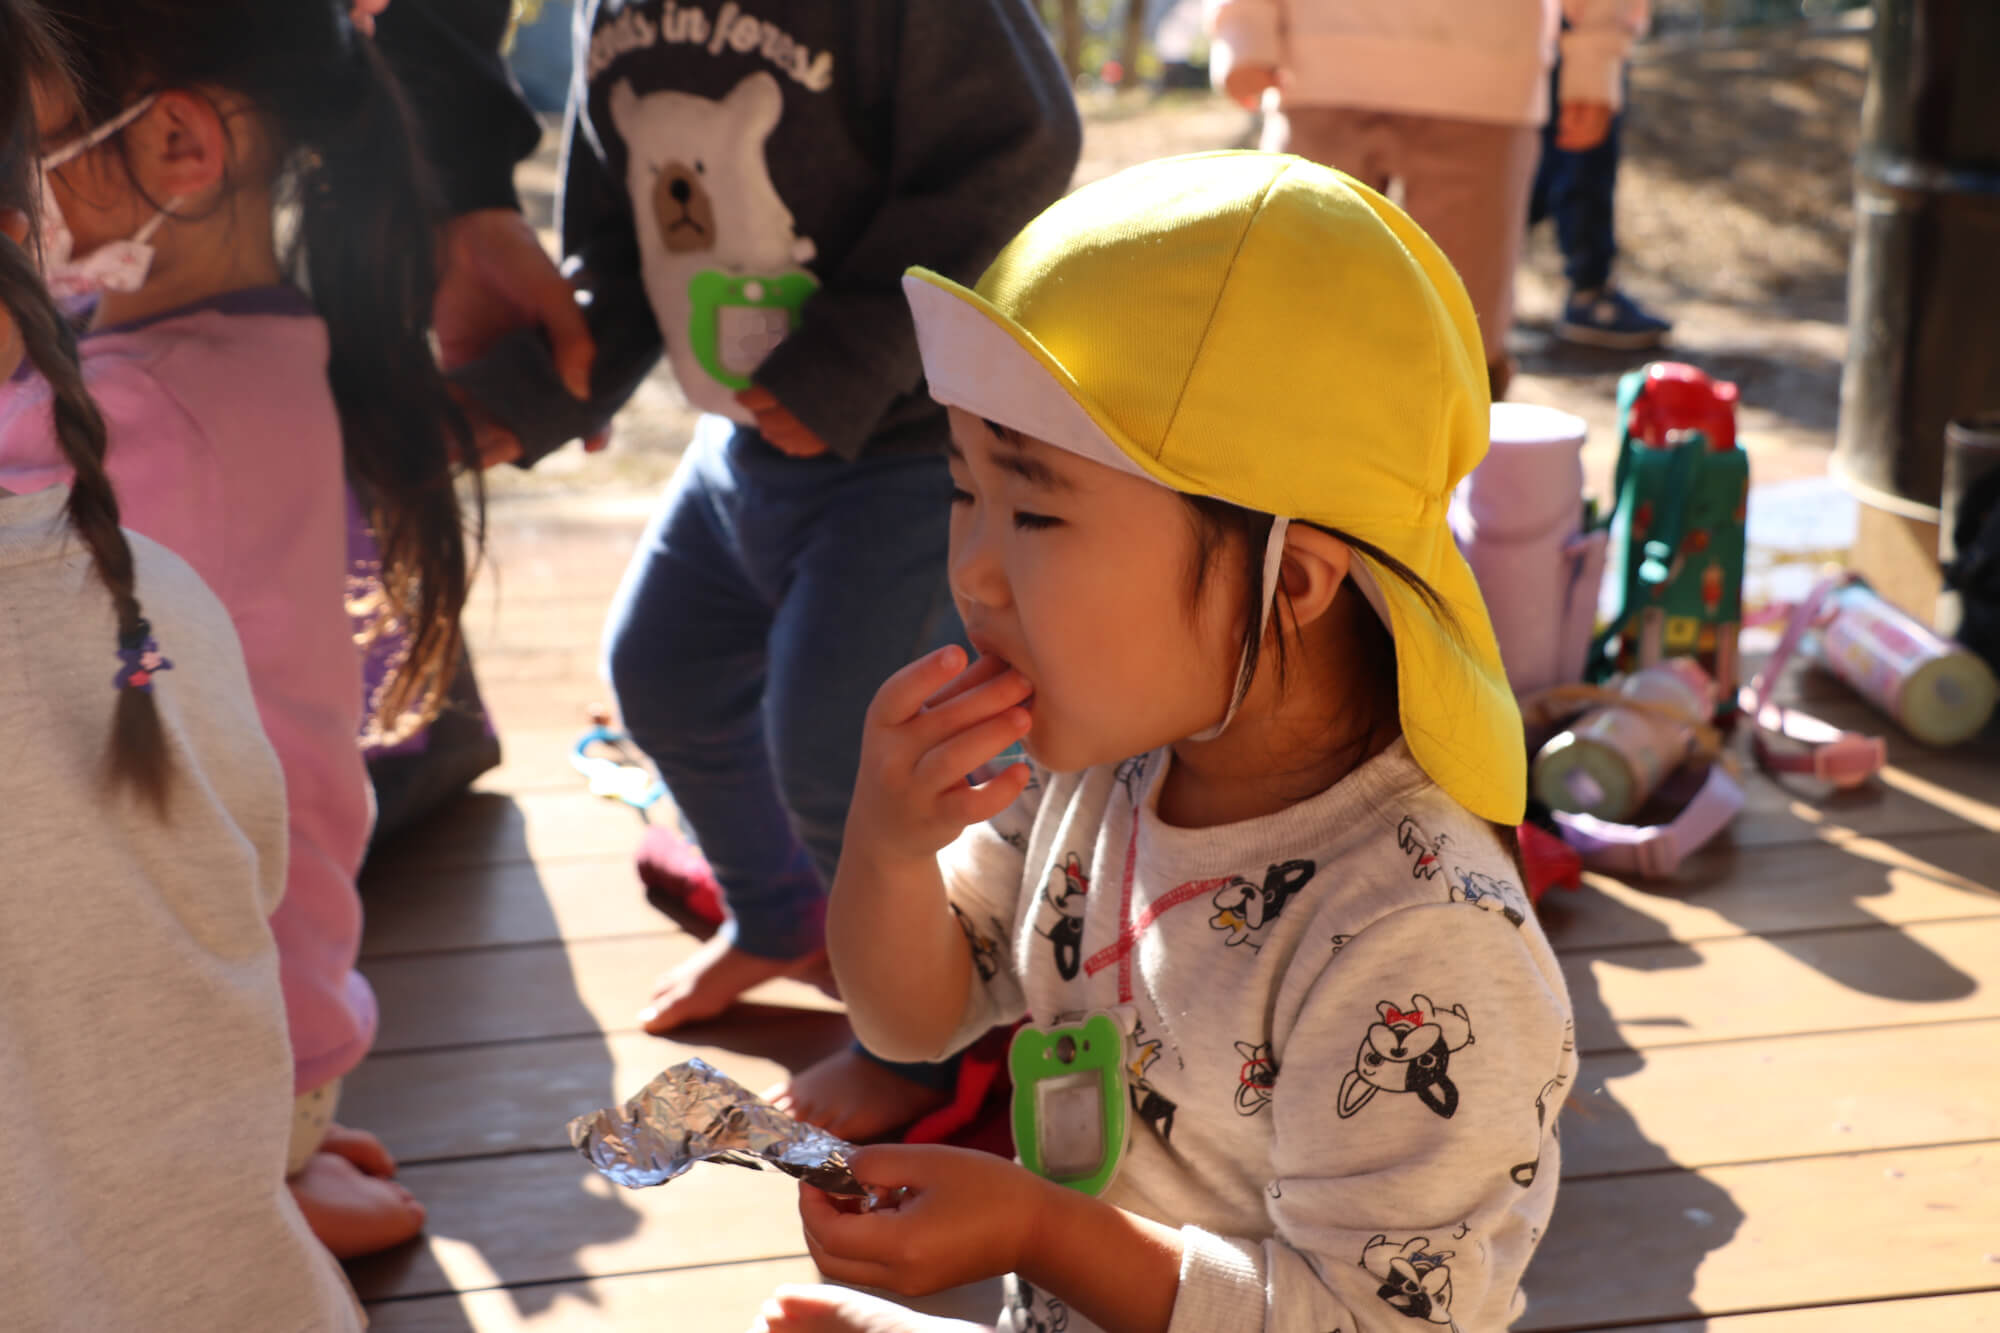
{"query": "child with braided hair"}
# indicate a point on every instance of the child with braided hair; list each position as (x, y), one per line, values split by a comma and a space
(239, 408)
(148, 1078)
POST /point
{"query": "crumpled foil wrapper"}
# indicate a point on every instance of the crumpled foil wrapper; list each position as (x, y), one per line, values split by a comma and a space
(696, 1113)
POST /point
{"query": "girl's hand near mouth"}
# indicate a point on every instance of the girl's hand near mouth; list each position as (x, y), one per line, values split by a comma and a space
(932, 723)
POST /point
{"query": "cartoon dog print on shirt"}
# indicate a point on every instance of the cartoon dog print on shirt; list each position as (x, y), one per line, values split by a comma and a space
(722, 260)
(1415, 1281)
(1434, 859)
(1028, 1320)
(1409, 1051)
(1524, 1174)
(1243, 909)
(1147, 1101)
(985, 950)
(1065, 934)
(1131, 775)
(1256, 1078)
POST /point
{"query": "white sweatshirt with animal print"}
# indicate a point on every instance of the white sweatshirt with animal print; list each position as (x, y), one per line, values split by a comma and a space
(1349, 1038)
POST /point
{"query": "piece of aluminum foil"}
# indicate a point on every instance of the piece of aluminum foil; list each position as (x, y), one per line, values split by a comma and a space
(696, 1113)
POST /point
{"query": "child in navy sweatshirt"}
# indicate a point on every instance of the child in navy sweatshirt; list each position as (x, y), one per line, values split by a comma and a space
(744, 183)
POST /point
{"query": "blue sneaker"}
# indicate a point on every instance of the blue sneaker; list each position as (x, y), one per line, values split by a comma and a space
(1607, 317)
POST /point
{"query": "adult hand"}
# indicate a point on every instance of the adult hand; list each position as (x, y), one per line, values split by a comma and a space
(966, 1216)
(1581, 126)
(363, 13)
(1247, 84)
(496, 279)
(787, 434)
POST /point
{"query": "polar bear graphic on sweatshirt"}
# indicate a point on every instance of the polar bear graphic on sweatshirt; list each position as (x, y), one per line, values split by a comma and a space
(722, 260)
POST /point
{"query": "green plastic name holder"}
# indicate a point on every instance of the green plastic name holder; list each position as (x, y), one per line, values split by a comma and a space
(1070, 1108)
(715, 297)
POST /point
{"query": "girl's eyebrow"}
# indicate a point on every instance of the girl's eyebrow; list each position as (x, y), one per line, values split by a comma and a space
(1024, 465)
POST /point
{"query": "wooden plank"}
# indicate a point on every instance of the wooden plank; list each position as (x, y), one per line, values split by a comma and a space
(1652, 995)
(538, 991)
(513, 621)
(699, 1300)
(1720, 990)
(563, 706)
(418, 897)
(519, 1098)
(1821, 1231)
(722, 1299)
(537, 759)
(1973, 1312)
(539, 1217)
(531, 652)
(1840, 880)
(488, 829)
(1813, 1095)
(1774, 814)
(1736, 1239)
(521, 903)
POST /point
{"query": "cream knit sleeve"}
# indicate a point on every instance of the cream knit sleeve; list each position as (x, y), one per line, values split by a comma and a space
(1595, 47)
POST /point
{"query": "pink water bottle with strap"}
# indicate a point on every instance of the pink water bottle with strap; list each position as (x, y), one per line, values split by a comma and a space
(1519, 520)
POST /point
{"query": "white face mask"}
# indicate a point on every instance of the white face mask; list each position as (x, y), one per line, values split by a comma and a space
(117, 266)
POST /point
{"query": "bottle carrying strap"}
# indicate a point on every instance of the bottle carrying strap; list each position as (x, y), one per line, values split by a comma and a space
(1643, 849)
(1656, 850)
(1816, 748)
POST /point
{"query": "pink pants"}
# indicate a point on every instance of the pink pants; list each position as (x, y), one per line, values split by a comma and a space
(1465, 182)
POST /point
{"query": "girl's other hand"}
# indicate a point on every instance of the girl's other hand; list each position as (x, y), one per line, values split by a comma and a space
(783, 431)
(1581, 126)
(1247, 84)
(967, 1216)
(496, 278)
(362, 14)
(932, 723)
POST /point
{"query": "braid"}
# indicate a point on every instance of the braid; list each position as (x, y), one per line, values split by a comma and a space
(138, 742)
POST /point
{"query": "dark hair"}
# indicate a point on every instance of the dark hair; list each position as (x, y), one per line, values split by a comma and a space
(29, 55)
(1224, 531)
(365, 248)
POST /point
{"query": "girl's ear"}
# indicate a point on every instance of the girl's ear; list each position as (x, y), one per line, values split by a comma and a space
(180, 148)
(1314, 567)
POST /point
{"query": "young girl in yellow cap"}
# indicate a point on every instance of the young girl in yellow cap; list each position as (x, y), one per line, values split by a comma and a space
(1294, 1043)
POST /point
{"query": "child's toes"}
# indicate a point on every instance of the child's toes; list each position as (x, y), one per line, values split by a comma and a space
(361, 1148)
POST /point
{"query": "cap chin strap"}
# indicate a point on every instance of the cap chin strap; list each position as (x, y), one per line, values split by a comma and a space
(1274, 560)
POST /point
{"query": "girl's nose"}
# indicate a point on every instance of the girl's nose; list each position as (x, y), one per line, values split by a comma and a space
(975, 570)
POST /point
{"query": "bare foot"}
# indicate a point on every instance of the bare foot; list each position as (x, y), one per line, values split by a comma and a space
(856, 1098)
(838, 1310)
(361, 1148)
(352, 1212)
(711, 981)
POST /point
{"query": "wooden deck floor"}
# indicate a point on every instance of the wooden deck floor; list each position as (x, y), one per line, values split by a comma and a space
(1786, 1122)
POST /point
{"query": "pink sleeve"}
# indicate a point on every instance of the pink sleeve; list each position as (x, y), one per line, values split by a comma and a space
(1595, 47)
(163, 468)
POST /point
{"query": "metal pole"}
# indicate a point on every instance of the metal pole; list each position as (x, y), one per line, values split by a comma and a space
(1924, 290)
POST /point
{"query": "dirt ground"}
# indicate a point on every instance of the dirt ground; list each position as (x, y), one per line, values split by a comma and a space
(1734, 214)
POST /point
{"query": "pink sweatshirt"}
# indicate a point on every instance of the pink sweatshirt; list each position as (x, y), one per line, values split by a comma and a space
(1485, 60)
(226, 449)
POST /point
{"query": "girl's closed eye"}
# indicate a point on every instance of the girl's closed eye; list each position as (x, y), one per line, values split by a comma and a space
(960, 496)
(1030, 522)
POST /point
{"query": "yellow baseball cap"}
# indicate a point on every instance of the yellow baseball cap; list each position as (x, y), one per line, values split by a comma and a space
(1272, 333)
